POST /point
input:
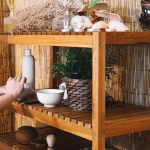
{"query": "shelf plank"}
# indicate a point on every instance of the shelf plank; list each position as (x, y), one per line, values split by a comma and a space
(4, 39)
(122, 38)
(75, 39)
(119, 120)
(127, 119)
(52, 117)
(49, 40)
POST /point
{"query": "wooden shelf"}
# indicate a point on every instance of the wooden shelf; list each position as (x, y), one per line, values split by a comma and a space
(124, 38)
(119, 120)
(101, 123)
(60, 117)
(70, 40)
(126, 119)
(73, 39)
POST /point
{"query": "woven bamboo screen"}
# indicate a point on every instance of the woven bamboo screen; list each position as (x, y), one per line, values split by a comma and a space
(132, 81)
(1, 14)
(42, 63)
(6, 117)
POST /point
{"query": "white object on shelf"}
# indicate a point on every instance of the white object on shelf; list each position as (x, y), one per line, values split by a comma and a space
(28, 68)
(118, 26)
(99, 25)
(51, 140)
(28, 71)
(63, 87)
(80, 22)
(50, 97)
(107, 15)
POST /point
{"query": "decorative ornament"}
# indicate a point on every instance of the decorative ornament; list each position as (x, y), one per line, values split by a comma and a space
(145, 15)
(26, 134)
(51, 140)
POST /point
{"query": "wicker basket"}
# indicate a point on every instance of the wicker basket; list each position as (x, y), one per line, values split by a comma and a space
(79, 94)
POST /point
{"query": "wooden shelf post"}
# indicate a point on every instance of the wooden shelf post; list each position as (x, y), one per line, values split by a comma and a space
(98, 91)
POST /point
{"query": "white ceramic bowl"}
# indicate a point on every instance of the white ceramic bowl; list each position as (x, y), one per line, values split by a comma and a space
(50, 97)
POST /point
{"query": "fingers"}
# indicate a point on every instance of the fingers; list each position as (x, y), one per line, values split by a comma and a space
(10, 78)
(23, 79)
(18, 79)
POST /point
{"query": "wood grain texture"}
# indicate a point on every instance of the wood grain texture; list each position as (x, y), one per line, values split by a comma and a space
(127, 119)
(98, 91)
(52, 117)
(51, 40)
(118, 38)
(3, 39)
(122, 38)
(119, 120)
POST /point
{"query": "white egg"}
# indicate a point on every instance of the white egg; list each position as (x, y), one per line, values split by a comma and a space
(51, 140)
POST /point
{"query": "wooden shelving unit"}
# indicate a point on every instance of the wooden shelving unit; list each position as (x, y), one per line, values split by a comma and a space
(117, 121)
(101, 123)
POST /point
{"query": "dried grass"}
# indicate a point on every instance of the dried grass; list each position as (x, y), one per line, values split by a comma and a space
(40, 17)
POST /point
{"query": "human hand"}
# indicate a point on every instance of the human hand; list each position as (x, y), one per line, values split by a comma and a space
(2, 90)
(14, 86)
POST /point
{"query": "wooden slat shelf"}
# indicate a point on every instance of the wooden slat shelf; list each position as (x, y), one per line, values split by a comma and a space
(124, 38)
(118, 119)
(127, 119)
(59, 117)
(69, 40)
(73, 39)
(101, 123)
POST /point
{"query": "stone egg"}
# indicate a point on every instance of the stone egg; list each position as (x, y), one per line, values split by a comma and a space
(26, 134)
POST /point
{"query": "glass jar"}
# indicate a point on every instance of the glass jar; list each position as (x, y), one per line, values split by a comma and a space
(66, 20)
(62, 23)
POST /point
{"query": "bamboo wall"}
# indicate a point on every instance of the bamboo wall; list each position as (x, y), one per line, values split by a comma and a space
(6, 117)
(1, 14)
(42, 65)
(132, 81)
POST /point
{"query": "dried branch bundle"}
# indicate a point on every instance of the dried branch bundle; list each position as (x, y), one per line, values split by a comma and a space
(40, 17)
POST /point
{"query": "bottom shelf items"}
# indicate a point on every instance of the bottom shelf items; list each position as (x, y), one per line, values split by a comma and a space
(64, 141)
